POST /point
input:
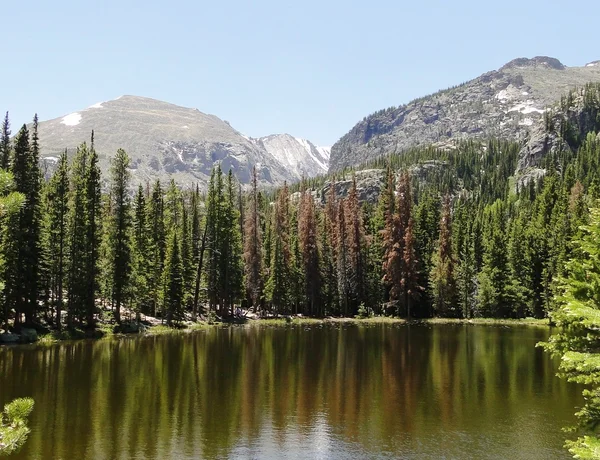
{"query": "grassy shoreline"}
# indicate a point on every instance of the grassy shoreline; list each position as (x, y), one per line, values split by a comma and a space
(106, 331)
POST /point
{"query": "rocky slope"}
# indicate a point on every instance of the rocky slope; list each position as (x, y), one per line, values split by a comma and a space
(300, 157)
(503, 103)
(165, 140)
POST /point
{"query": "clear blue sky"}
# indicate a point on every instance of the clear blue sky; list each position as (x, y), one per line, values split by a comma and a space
(309, 68)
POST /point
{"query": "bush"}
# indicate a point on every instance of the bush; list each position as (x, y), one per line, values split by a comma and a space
(364, 312)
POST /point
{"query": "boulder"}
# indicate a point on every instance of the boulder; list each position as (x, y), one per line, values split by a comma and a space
(7, 337)
(28, 335)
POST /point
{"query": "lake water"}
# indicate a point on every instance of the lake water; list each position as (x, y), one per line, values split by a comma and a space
(308, 392)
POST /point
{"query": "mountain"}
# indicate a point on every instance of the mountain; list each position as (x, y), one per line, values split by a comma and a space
(299, 156)
(164, 140)
(503, 103)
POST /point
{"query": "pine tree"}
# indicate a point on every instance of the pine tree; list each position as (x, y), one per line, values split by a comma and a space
(120, 232)
(140, 255)
(23, 287)
(252, 248)
(93, 214)
(156, 245)
(173, 282)
(277, 288)
(327, 264)
(56, 231)
(307, 229)
(10, 204)
(392, 238)
(343, 281)
(400, 262)
(442, 278)
(77, 249)
(466, 274)
(356, 249)
(5, 147)
(214, 219)
(231, 265)
(427, 218)
(411, 288)
(196, 225)
(576, 340)
(186, 255)
(173, 207)
(493, 278)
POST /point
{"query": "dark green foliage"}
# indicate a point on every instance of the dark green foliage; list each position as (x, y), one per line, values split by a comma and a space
(93, 213)
(156, 246)
(225, 267)
(13, 425)
(119, 232)
(5, 145)
(22, 286)
(493, 247)
(141, 257)
(55, 233)
(173, 282)
(577, 341)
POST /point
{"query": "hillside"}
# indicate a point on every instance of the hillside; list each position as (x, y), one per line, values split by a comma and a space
(165, 140)
(503, 104)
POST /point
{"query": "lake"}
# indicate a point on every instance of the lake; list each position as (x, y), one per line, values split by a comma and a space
(341, 391)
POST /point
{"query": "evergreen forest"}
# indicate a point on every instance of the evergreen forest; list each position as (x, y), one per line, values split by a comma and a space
(453, 233)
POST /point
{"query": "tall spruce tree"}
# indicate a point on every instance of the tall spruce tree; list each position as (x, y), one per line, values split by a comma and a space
(214, 220)
(56, 232)
(343, 261)
(308, 234)
(77, 248)
(231, 264)
(277, 288)
(442, 278)
(156, 245)
(140, 255)
(252, 247)
(186, 255)
(93, 233)
(26, 172)
(10, 204)
(356, 249)
(173, 282)
(5, 146)
(120, 232)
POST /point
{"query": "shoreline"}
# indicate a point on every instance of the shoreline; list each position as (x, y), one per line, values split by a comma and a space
(151, 329)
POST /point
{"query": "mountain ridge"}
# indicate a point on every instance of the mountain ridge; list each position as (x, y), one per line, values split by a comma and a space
(166, 140)
(501, 103)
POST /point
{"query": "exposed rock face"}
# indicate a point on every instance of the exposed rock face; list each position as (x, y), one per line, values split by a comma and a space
(300, 157)
(164, 140)
(370, 182)
(563, 129)
(504, 103)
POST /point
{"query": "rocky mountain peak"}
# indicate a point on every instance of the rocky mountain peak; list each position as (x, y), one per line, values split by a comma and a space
(502, 103)
(537, 61)
(167, 141)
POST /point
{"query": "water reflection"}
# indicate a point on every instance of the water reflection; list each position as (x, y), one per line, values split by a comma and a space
(309, 392)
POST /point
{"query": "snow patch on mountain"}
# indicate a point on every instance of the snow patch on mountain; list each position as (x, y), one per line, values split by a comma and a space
(525, 108)
(97, 105)
(72, 119)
